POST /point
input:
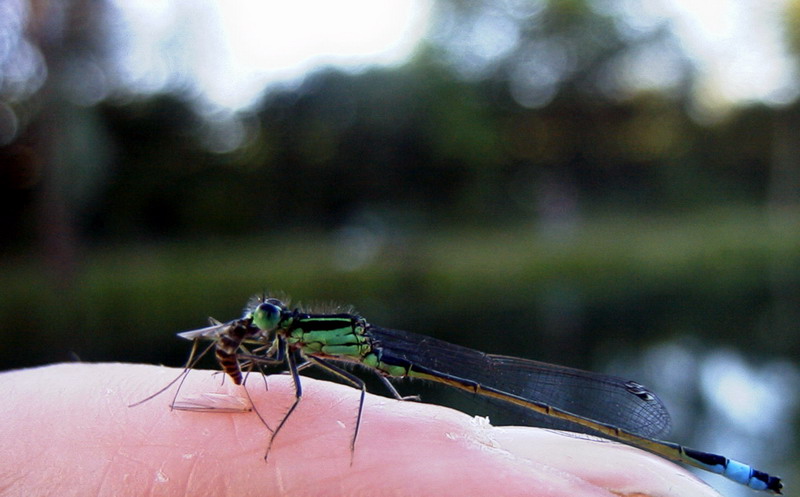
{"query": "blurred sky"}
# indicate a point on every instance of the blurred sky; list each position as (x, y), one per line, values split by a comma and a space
(739, 46)
(231, 50)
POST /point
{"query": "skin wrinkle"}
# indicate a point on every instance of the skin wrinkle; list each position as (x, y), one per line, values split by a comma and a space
(105, 478)
(191, 475)
(238, 434)
(238, 425)
(279, 481)
(11, 482)
(153, 426)
(167, 416)
(122, 458)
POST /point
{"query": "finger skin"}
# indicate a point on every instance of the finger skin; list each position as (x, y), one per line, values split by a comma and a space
(67, 430)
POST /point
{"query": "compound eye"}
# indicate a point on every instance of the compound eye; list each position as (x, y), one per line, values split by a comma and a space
(267, 316)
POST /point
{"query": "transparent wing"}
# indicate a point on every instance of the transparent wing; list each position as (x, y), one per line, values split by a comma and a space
(594, 396)
(208, 333)
(213, 402)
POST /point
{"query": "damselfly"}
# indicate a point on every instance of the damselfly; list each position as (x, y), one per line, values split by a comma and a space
(593, 402)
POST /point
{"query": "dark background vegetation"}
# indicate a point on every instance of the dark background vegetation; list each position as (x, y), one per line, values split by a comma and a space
(595, 227)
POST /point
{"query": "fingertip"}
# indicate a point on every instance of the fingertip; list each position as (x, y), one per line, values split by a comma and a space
(623, 469)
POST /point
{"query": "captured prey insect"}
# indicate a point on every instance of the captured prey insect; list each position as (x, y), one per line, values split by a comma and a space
(591, 402)
(208, 402)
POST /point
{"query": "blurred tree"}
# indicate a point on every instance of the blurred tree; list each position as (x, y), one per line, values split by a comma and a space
(509, 107)
(580, 49)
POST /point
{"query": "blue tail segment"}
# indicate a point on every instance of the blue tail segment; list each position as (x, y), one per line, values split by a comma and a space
(736, 471)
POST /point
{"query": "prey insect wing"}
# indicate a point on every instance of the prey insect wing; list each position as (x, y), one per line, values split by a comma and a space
(209, 332)
(213, 402)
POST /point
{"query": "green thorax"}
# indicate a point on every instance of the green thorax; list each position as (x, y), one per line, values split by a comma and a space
(334, 335)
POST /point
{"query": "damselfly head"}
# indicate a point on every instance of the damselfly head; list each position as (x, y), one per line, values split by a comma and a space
(269, 314)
